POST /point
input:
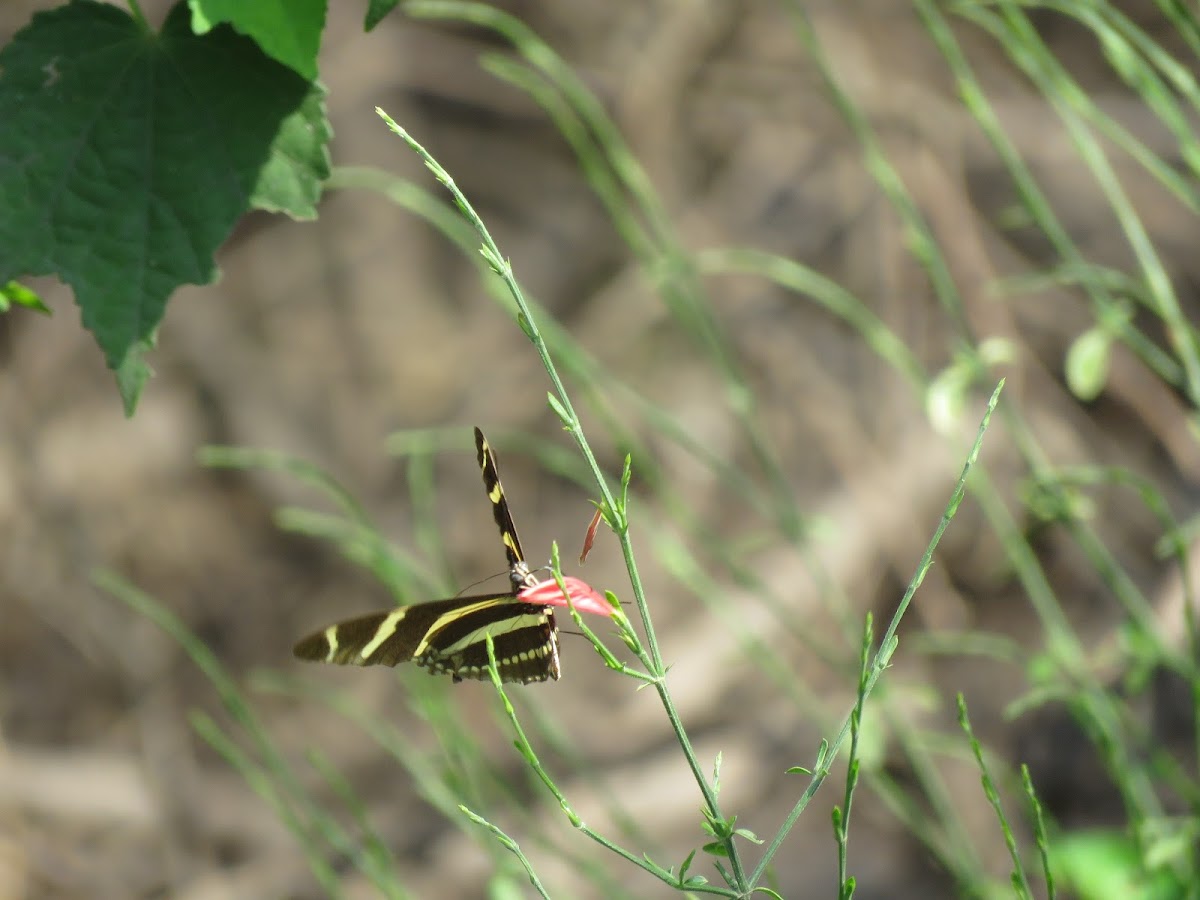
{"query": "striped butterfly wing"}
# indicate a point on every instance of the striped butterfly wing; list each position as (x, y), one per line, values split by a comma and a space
(446, 636)
(449, 636)
(517, 567)
(524, 638)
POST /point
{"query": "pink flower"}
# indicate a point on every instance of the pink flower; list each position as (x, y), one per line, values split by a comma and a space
(585, 597)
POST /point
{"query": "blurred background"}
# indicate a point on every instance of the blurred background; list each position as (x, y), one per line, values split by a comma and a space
(787, 474)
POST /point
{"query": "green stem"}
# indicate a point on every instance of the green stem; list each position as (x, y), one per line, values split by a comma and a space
(887, 644)
(562, 402)
(526, 749)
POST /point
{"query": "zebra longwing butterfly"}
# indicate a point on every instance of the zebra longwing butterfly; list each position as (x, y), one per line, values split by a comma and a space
(449, 636)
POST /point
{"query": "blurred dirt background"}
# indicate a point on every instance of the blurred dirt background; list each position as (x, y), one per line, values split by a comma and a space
(323, 338)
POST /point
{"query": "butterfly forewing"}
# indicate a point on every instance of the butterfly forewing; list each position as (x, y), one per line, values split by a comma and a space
(446, 636)
(518, 568)
(382, 638)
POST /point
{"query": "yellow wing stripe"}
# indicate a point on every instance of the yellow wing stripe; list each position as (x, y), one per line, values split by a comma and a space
(446, 619)
(332, 640)
(386, 629)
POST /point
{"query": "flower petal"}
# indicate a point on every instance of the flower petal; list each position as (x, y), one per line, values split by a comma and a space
(585, 597)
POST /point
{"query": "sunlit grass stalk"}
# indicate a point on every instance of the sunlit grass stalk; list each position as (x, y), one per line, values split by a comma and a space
(561, 402)
(1016, 34)
(374, 856)
(1096, 706)
(423, 505)
(941, 833)
(919, 238)
(1019, 881)
(262, 784)
(400, 572)
(529, 754)
(355, 534)
(827, 294)
(425, 775)
(887, 643)
(1039, 832)
(841, 815)
(273, 779)
(591, 376)
(1102, 714)
(452, 777)
(635, 592)
(1089, 277)
(509, 844)
(624, 187)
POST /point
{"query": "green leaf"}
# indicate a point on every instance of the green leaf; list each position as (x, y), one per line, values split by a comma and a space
(1087, 363)
(1055, 501)
(126, 158)
(748, 835)
(721, 829)
(687, 864)
(558, 409)
(1105, 863)
(376, 11)
(946, 397)
(1168, 840)
(504, 887)
(16, 294)
(997, 352)
(289, 32)
(723, 872)
(822, 754)
(715, 849)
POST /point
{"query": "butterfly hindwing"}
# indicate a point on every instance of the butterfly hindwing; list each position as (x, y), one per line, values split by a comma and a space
(524, 639)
